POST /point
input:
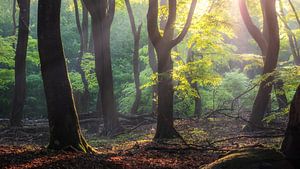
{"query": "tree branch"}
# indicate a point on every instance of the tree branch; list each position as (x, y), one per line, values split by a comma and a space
(152, 25)
(187, 24)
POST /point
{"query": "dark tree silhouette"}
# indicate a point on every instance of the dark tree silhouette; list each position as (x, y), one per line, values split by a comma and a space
(268, 42)
(20, 64)
(136, 32)
(290, 145)
(102, 13)
(63, 119)
(163, 45)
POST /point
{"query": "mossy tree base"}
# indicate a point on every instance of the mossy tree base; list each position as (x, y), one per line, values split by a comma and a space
(252, 159)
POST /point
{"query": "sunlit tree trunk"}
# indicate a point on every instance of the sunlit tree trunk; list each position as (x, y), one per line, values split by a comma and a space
(102, 13)
(136, 32)
(20, 64)
(163, 45)
(63, 120)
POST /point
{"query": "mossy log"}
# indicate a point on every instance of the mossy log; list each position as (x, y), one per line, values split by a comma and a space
(254, 158)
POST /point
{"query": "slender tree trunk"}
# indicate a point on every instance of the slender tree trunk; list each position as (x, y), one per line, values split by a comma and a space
(136, 32)
(14, 10)
(280, 94)
(85, 28)
(197, 100)
(153, 65)
(63, 119)
(85, 97)
(290, 145)
(20, 64)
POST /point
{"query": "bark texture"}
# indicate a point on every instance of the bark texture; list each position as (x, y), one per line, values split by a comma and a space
(63, 119)
(20, 64)
(102, 13)
(163, 45)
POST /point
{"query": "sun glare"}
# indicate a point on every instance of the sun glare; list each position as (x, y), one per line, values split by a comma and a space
(201, 7)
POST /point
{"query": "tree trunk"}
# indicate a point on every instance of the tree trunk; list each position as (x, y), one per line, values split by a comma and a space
(153, 65)
(290, 145)
(280, 95)
(136, 32)
(165, 128)
(20, 64)
(85, 28)
(268, 42)
(163, 45)
(14, 29)
(63, 119)
(102, 13)
(85, 97)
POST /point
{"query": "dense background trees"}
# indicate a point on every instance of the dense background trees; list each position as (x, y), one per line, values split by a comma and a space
(215, 62)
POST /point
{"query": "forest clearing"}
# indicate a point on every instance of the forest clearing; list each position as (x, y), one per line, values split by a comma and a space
(140, 84)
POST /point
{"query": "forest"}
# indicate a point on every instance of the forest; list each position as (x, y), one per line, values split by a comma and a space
(140, 84)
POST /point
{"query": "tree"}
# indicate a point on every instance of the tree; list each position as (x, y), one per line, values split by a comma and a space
(102, 13)
(268, 42)
(153, 65)
(136, 32)
(293, 42)
(290, 145)
(163, 45)
(20, 64)
(82, 30)
(63, 119)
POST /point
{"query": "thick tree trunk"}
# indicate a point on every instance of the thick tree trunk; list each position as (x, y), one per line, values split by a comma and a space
(268, 42)
(101, 36)
(63, 119)
(99, 105)
(165, 128)
(290, 145)
(20, 64)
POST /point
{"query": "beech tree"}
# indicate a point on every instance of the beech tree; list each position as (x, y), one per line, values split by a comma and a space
(163, 45)
(136, 32)
(268, 42)
(102, 13)
(62, 115)
(20, 64)
(82, 30)
(290, 145)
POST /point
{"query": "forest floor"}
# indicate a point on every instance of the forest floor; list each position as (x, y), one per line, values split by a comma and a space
(205, 141)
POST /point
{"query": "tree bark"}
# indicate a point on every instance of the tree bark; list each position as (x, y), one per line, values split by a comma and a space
(62, 115)
(290, 145)
(85, 27)
(268, 41)
(85, 96)
(153, 65)
(163, 45)
(20, 64)
(136, 32)
(14, 10)
(102, 12)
